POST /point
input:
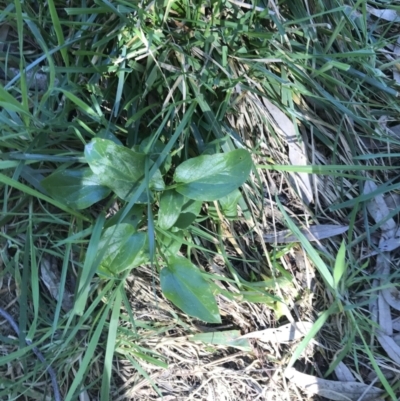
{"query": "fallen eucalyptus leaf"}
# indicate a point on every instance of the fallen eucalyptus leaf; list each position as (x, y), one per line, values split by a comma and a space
(396, 324)
(392, 200)
(288, 332)
(384, 246)
(297, 152)
(387, 373)
(396, 71)
(343, 373)
(392, 297)
(385, 317)
(333, 390)
(373, 304)
(389, 245)
(379, 210)
(389, 345)
(313, 233)
(51, 278)
(396, 339)
(35, 79)
(394, 131)
(385, 14)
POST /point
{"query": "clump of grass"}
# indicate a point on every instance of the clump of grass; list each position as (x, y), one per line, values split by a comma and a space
(201, 79)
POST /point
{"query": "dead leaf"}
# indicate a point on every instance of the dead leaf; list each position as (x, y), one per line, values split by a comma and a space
(396, 339)
(373, 305)
(372, 376)
(35, 80)
(333, 390)
(396, 324)
(396, 67)
(379, 210)
(297, 151)
(386, 14)
(392, 297)
(288, 332)
(385, 246)
(392, 200)
(385, 317)
(51, 278)
(343, 373)
(313, 233)
(389, 345)
(395, 130)
(352, 13)
(389, 245)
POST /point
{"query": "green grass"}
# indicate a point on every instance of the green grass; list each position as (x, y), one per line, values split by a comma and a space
(307, 88)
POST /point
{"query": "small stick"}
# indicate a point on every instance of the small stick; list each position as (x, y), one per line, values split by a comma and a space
(38, 354)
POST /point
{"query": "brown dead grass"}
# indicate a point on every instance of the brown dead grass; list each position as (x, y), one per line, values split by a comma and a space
(198, 371)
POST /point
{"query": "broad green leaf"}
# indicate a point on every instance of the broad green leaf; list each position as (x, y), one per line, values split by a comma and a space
(124, 249)
(171, 203)
(78, 189)
(229, 204)
(183, 284)
(119, 168)
(170, 243)
(208, 178)
(5, 180)
(107, 134)
(189, 212)
(230, 338)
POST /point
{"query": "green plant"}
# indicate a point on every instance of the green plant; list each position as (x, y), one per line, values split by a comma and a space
(310, 86)
(140, 173)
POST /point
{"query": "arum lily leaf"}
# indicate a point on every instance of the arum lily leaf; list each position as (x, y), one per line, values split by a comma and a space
(120, 169)
(171, 203)
(78, 189)
(183, 284)
(211, 177)
(124, 249)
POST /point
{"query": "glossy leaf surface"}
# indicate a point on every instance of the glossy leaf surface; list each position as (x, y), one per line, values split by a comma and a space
(124, 249)
(211, 177)
(190, 210)
(78, 189)
(119, 168)
(171, 203)
(183, 284)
